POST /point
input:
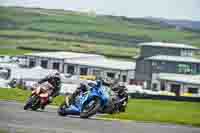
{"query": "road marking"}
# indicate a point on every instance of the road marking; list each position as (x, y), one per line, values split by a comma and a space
(112, 119)
(53, 106)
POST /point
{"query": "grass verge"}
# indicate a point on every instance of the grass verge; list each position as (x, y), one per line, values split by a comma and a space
(12, 130)
(22, 95)
(13, 52)
(187, 113)
(3, 131)
(161, 111)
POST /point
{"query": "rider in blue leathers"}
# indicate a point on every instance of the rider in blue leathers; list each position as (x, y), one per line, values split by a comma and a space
(84, 86)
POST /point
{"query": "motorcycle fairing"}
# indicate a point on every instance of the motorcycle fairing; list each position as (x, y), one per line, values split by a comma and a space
(97, 91)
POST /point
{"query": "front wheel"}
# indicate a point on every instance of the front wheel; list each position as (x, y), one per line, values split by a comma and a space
(33, 103)
(61, 109)
(28, 104)
(91, 107)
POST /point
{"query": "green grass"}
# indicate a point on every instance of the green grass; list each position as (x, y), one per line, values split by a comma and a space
(14, 94)
(161, 111)
(10, 130)
(81, 32)
(20, 95)
(140, 110)
(27, 34)
(107, 50)
(3, 131)
(12, 52)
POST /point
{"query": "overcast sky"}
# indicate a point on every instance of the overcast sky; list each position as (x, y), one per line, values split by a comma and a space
(172, 9)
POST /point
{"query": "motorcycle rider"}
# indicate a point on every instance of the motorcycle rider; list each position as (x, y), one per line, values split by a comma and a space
(118, 96)
(54, 80)
(84, 86)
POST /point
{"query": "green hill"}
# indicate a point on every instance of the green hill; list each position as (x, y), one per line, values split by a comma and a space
(42, 29)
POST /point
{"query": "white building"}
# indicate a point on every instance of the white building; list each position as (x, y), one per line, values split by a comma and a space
(82, 64)
(182, 83)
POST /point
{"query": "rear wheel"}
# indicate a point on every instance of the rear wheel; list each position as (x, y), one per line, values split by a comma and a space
(91, 107)
(109, 109)
(122, 109)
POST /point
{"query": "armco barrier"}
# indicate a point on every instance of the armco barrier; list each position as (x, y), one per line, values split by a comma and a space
(162, 97)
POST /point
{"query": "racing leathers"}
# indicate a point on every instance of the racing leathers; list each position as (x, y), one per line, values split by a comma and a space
(54, 82)
(84, 86)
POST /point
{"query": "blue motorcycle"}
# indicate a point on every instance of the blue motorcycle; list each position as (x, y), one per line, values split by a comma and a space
(88, 103)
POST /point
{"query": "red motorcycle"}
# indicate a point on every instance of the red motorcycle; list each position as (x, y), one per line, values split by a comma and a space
(39, 97)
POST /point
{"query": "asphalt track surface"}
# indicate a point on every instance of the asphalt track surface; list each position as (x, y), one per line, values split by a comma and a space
(15, 120)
